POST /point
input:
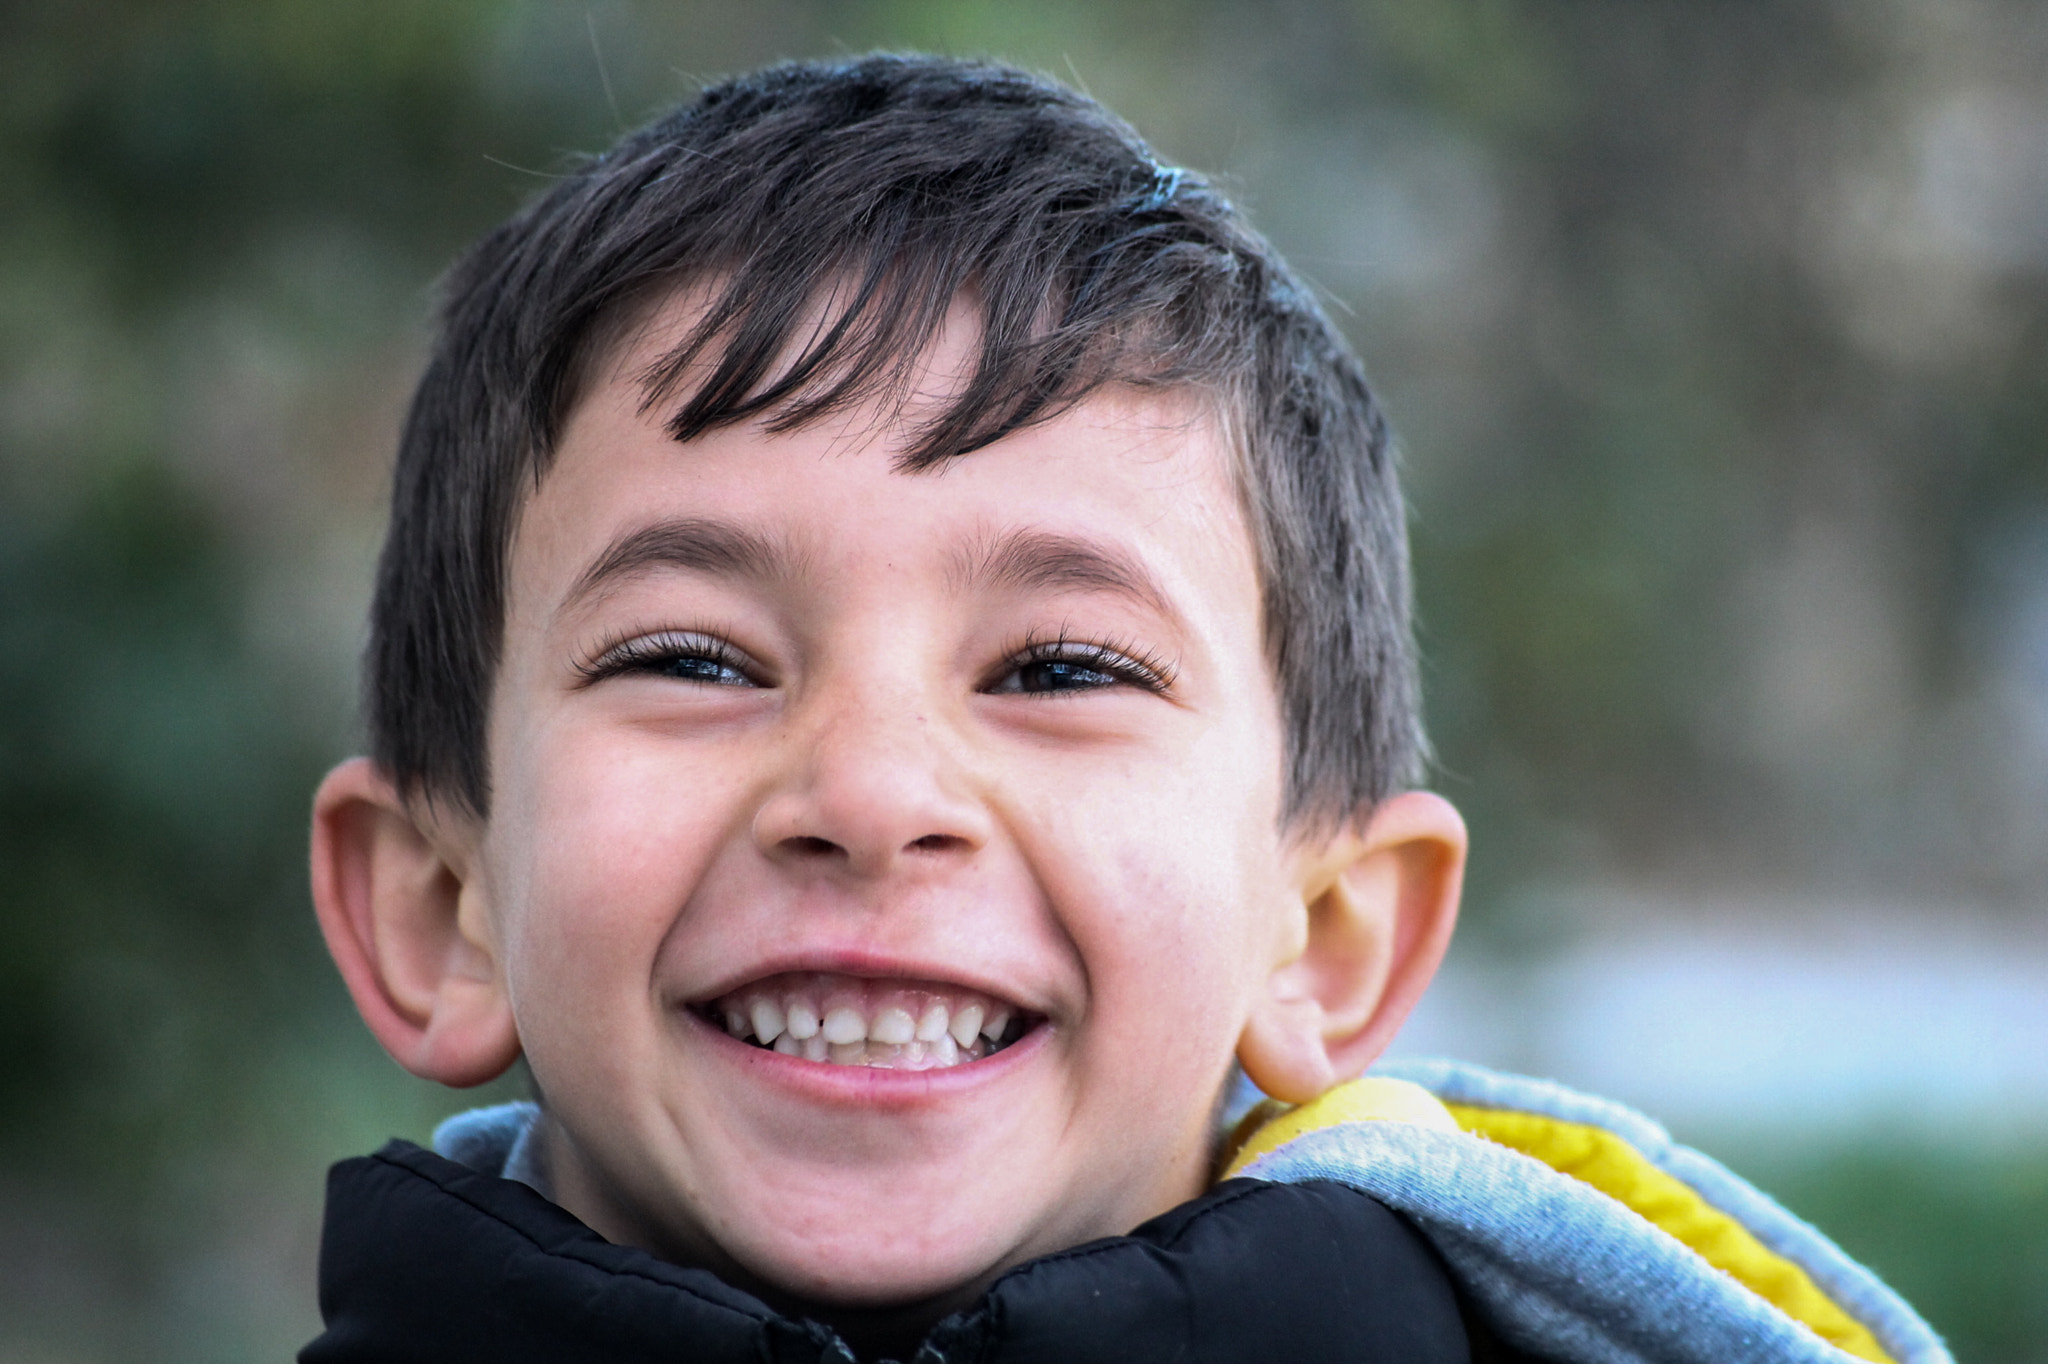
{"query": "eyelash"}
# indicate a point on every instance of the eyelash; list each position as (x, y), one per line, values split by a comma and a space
(1123, 661)
(653, 653)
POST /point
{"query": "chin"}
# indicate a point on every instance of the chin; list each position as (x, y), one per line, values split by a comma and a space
(885, 1286)
(868, 1273)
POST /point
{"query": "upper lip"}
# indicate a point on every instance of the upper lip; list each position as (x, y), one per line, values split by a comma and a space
(869, 965)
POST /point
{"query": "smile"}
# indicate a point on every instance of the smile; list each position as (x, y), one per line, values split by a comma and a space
(839, 1020)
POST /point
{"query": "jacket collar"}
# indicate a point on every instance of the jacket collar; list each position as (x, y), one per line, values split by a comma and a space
(426, 1259)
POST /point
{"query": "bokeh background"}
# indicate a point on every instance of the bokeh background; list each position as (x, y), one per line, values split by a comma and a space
(1717, 335)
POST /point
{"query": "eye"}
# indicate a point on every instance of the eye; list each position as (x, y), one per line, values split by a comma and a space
(699, 668)
(1054, 674)
(685, 656)
(1064, 666)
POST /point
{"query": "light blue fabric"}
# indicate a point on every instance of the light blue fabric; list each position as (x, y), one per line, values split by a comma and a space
(1563, 1271)
(503, 1140)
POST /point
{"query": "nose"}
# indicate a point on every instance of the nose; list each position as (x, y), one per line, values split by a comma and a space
(872, 789)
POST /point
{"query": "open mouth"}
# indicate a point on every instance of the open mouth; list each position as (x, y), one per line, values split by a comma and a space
(839, 1020)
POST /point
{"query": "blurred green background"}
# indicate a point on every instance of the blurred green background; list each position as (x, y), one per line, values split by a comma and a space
(1717, 336)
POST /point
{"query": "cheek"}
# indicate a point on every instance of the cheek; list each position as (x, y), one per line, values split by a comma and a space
(1191, 830)
(1192, 934)
(1173, 970)
(1172, 910)
(598, 849)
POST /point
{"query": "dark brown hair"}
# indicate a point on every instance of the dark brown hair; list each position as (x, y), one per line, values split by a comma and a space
(884, 190)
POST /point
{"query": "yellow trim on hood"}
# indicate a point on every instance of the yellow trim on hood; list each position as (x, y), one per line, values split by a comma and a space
(1596, 1156)
(1373, 1098)
(1591, 1155)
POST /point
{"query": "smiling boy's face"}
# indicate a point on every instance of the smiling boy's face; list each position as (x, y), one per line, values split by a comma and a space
(778, 725)
(882, 868)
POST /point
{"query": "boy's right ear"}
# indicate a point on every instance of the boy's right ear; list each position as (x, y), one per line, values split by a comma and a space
(405, 920)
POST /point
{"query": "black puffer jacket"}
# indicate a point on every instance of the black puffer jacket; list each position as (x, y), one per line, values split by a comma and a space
(424, 1259)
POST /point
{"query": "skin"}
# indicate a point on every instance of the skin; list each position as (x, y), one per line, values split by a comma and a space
(1006, 725)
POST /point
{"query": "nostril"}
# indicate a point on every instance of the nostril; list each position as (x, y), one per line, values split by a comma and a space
(939, 843)
(811, 847)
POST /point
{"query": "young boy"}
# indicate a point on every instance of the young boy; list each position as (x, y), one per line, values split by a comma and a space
(890, 679)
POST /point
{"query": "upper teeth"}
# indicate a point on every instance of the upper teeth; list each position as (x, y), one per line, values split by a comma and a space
(842, 1028)
(894, 1026)
(847, 1021)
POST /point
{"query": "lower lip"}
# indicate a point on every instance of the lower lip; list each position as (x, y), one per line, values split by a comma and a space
(867, 1086)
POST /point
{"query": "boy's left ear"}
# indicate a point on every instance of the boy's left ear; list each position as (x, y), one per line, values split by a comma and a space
(1374, 918)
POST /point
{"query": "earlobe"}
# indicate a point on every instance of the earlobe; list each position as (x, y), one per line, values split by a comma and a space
(406, 927)
(1374, 919)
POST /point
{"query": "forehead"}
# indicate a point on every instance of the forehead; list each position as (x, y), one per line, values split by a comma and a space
(1146, 477)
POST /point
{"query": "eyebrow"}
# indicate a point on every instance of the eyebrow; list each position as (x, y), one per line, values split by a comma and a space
(1047, 560)
(1050, 560)
(702, 546)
